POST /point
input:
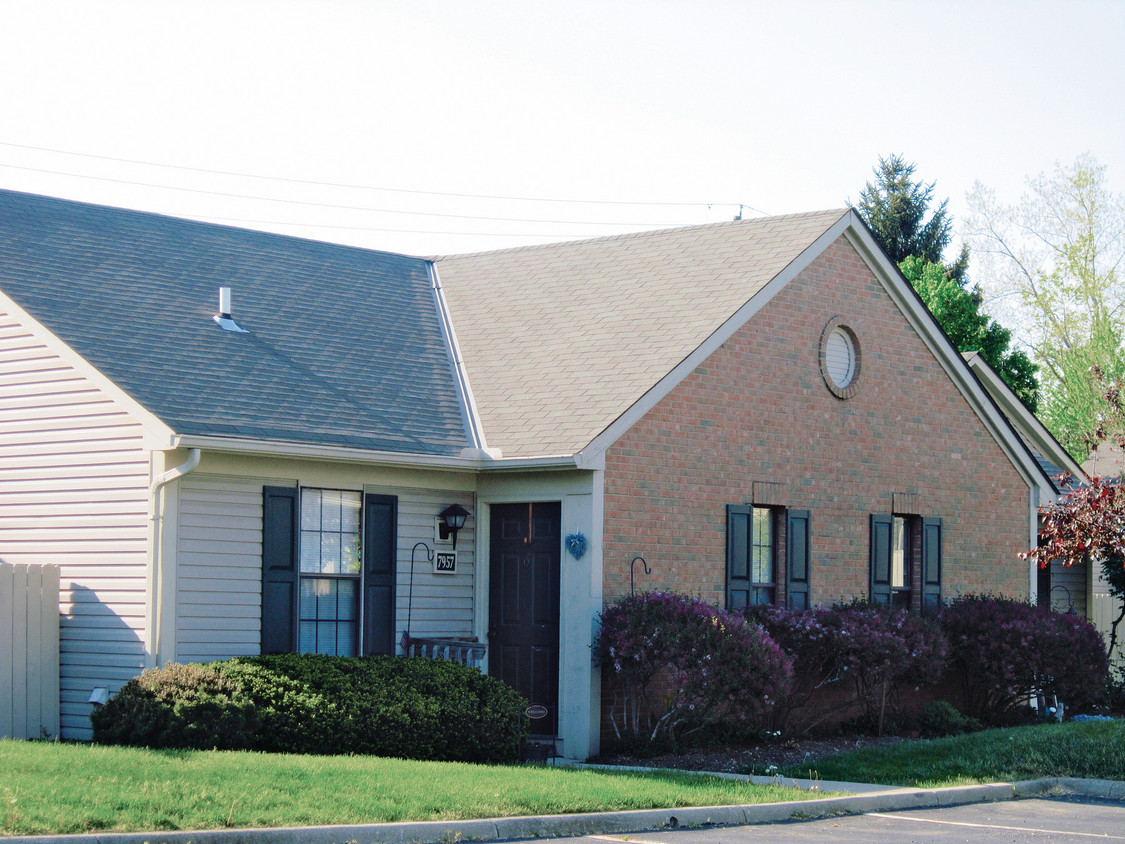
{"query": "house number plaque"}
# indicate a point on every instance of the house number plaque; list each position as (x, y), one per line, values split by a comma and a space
(445, 562)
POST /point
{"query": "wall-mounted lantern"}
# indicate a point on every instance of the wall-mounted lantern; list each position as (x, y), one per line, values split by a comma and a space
(452, 519)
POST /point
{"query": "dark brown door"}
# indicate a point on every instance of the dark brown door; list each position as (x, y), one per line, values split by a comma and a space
(523, 605)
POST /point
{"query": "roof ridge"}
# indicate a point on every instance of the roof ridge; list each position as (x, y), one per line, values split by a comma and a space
(695, 227)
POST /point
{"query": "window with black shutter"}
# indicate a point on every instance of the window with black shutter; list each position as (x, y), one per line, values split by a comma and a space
(328, 568)
(751, 556)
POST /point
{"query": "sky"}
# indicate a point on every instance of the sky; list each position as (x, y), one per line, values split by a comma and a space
(432, 127)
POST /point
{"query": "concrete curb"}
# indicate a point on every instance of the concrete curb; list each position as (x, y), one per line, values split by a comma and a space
(601, 823)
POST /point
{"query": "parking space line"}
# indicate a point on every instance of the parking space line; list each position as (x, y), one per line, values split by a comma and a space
(1101, 835)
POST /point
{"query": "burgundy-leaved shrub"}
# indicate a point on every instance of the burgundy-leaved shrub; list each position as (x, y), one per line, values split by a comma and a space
(679, 664)
(852, 655)
(1006, 652)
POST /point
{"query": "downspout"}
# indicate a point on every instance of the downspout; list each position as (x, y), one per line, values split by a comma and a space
(154, 597)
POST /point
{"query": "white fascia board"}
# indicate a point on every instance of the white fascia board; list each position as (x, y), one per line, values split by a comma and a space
(947, 356)
(156, 433)
(1015, 410)
(344, 454)
(473, 425)
(595, 451)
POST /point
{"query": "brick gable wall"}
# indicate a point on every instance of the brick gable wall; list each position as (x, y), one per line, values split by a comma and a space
(758, 410)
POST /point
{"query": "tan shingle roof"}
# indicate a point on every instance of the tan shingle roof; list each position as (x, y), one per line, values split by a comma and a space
(559, 340)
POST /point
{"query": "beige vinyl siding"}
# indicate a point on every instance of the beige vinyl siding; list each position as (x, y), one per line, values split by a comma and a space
(443, 603)
(219, 566)
(74, 492)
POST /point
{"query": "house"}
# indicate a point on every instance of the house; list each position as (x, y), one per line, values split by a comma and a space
(760, 410)
(1063, 587)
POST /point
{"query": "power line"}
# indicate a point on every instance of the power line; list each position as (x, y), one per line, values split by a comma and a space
(209, 218)
(374, 187)
(332, 205)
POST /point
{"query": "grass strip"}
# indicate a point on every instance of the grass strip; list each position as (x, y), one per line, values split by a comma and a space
(1088, 749)
(60, 788)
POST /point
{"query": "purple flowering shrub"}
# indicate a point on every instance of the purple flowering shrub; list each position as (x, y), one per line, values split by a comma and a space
(1006, 652)
(703, 663)
(853, 655)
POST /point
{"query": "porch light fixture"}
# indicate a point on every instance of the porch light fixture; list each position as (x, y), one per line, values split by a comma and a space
(452, 520)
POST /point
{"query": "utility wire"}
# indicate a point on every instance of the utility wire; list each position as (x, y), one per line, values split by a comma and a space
(374, 187)
(336, 206)
(208, 218)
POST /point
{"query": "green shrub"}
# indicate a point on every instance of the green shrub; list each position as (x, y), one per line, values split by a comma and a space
(939, 718)
(307, 703)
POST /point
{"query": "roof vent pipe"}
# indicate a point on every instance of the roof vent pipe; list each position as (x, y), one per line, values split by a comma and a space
(223, 317)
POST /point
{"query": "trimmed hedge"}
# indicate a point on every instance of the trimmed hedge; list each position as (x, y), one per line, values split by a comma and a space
(308, 703)
(1006, 651)
(679, 665)
(850, 655)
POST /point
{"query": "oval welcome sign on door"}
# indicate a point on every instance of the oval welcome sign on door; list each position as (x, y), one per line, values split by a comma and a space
(536, 711)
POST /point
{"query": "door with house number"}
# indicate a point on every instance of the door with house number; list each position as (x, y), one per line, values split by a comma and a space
(523, 605)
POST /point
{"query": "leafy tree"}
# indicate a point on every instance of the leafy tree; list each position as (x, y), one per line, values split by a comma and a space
(895, 208)
(1054, 262)
(958, 312)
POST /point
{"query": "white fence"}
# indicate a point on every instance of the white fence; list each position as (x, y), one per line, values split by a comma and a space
(29, 651)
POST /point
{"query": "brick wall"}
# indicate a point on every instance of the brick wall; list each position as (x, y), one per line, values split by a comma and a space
(758, 410)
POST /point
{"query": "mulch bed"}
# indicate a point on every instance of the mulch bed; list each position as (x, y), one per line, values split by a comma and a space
(755, 759)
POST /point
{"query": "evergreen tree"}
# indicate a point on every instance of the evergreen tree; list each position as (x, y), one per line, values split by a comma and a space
(895, 208)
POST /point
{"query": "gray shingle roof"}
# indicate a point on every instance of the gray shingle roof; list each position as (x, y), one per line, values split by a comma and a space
(559, 340)
(344, 345)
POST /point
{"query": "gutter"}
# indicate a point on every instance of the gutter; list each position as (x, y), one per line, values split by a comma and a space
(154, 597)
(475, 460)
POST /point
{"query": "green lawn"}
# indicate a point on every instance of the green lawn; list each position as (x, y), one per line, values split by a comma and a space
(1093, 749)
(50, 788)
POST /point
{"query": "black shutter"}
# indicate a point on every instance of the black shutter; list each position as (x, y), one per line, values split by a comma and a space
(379, 542)
(738, 556)
(931, 566)
(797, 559)
(279, 569)
(881, 559)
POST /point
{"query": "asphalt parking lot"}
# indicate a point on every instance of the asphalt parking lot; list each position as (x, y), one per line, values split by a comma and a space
(1040, 819)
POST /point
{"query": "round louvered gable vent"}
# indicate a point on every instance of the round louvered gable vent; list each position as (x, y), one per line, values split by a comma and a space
(839, 358)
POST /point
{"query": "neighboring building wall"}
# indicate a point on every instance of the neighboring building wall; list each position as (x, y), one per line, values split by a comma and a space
(758, 412)
(74, 492)
(219, 553)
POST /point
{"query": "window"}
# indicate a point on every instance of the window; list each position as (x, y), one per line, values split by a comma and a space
(754, 537)
(328, 565)
(750, 556)
(896, 543)
(330, 572)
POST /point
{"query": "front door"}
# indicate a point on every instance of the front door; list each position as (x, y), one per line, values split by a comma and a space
(523, 606)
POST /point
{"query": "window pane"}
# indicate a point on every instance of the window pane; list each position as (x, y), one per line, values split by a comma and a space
(349, 514)
(330, 553)
(330, 515)
(310, 509)
(900, 541)
(310, 551)
(330, 542)
(328, 616)
(761, 565)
